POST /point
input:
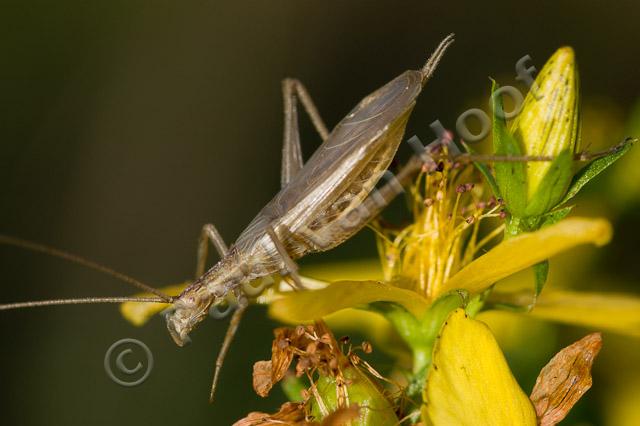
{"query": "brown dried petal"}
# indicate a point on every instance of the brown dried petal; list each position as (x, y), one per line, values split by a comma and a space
(312, 347)
(326, 335)
(333, 363)
(326, 338)
(291, 413)
(281, 354)
(262, 382)
(282, 344)
(564, 380)
(302, 365)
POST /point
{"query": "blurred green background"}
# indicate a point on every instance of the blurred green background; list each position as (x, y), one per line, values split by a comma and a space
(126, 125)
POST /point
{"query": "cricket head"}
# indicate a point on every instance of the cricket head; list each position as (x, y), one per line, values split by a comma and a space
(189, 309)
(193, 304)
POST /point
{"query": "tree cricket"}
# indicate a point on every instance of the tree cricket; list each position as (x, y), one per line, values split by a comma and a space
(322, 203)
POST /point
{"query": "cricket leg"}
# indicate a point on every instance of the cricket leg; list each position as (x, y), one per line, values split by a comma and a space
(243, 304)
(291, 277)
(292, 162)
(209, 234)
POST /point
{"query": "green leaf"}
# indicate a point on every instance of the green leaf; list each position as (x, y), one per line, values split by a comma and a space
(593, 169)
(540, 273)
(511, 177)
(553, 186)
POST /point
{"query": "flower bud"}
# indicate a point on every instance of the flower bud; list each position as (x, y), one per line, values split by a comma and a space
(356, 388)
(548, 123)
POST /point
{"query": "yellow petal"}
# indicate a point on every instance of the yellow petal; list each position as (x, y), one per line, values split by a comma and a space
(138, 313)
(621, 401)
(362, 269)
(526, 250)
(469, 382)
(310, 305)
(619, 313)
(548, 121)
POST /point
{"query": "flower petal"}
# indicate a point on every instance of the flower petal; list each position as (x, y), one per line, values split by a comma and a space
(469, 382)
(310, 305)
(619, 313)
(351, 270)
(138, 313)
(526, 250)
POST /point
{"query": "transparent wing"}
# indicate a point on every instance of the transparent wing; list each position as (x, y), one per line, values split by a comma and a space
(341, 160)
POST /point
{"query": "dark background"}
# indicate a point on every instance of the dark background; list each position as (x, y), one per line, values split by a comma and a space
(126, 125)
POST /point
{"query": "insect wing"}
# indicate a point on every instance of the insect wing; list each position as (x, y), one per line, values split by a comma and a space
(337, 162)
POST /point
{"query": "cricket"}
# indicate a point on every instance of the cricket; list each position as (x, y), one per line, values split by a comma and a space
(322, 203)
(313, 212)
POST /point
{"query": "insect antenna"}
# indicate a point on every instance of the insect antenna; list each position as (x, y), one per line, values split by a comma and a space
(79, 301)
(74, 258)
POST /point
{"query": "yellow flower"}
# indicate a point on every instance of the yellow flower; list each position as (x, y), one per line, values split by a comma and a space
(521, 252)
(436, 254)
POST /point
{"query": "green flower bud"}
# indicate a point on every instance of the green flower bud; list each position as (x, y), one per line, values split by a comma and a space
(548, 123)
(375, 408)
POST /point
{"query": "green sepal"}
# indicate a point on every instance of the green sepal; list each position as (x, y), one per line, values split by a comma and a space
(540, 275)
(553, 186)
(511, 177)
(555, 216)
(476, 303)
(415, 384)
(516, 225)
(518, 301)
(420, 334)
(594, 168)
